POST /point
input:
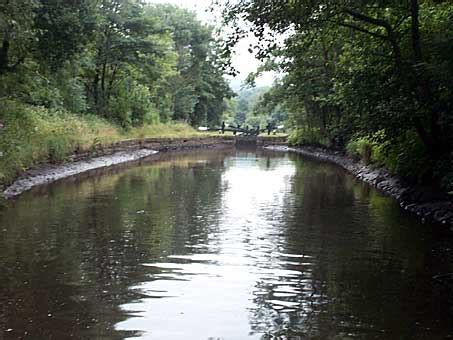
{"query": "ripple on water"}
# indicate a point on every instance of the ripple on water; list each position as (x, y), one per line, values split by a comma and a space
(242, 247)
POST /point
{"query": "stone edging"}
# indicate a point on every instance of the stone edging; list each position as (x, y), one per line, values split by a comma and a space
(54, 173)
(429, 206)
(102, 157)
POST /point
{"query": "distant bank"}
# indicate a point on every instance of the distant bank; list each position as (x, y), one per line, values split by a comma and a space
(122, 152)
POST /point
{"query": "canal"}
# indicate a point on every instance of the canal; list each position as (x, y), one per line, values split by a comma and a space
(230, 244)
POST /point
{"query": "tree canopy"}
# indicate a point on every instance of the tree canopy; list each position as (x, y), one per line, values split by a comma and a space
(124, 60)
(375, 70)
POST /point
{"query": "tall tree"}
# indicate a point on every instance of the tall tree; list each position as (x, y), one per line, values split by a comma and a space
(198, 86)
(125, 37)
(360, 67)
(17, 32)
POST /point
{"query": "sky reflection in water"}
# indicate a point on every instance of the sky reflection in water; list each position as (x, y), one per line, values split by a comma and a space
(230, 244)
(218, 280)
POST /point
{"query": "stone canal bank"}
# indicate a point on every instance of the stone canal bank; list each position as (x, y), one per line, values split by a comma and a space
(427, 204)
(120, 153)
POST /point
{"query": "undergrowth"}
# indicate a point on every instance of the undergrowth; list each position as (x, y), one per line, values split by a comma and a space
(34, 135)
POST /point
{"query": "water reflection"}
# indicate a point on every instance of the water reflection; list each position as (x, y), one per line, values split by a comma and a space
(231, 244)
(214, 279)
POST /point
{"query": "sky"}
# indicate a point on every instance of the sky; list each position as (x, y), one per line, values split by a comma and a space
(243, 61)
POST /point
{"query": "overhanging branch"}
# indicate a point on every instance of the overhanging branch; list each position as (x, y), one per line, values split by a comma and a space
(363, 30)
(368, 19)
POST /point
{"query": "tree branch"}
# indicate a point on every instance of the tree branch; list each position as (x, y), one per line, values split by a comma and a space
(363, 30)
(392, 36)
(368, 19)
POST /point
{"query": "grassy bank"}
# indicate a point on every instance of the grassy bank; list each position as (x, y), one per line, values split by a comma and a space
(34, 135)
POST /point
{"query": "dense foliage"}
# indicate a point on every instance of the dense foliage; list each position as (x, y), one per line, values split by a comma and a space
(119, 61)
(376, 73)
(253, 107)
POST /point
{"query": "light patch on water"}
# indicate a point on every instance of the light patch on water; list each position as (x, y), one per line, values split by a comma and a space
(283, 303)
(243, 252)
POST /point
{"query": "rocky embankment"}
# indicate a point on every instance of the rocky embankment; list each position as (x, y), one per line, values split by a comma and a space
(105, 156)
(427, 204)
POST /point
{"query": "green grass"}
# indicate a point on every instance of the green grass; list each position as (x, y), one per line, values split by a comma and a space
(35, 135)
(169, 130)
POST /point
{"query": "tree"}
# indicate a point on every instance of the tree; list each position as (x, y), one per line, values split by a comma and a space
(64, 29)
(198, 87)
(360, 67)
(16, 32)
(125, 38)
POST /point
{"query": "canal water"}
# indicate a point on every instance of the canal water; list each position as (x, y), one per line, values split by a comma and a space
(232, 244)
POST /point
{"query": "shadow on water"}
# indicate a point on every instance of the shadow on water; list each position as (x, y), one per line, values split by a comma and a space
(234, 244)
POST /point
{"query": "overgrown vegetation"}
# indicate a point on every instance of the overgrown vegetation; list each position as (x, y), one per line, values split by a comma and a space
(77, 73)
(33, 135)
(371, 77)
(251, 108)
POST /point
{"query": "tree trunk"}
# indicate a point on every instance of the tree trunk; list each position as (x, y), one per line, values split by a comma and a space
(96, 91)
(4, 56)
(433, 139)
(103, 76)
(416, 45)
(4, 51)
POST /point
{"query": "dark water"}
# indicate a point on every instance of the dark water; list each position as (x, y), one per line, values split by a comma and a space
(219, 245)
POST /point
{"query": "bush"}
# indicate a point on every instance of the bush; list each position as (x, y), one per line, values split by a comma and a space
(361, 148)
(58, 147)
(443, 170)
(73, 94)
(307, 136)
(405, 156)
(132, 105)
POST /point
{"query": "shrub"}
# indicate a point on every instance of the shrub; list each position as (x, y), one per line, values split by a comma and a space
(443, 170)
(132, 105)
(58, 146)
(405, 155)
(307, 136)
(73, 95)
(361, 148)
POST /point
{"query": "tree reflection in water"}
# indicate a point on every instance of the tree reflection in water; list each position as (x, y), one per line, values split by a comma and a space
(232, 244)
